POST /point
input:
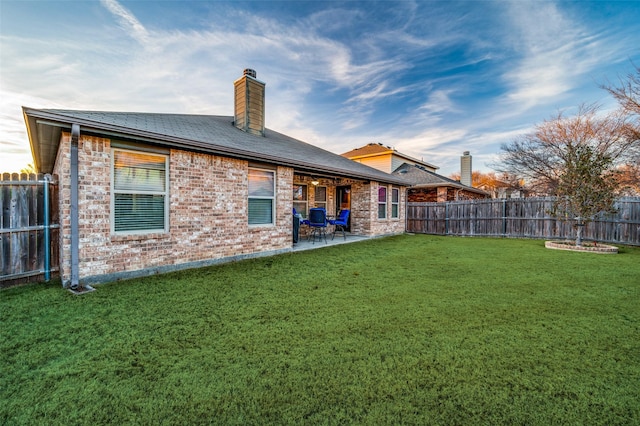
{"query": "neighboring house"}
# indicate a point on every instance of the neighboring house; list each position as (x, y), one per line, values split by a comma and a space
(425, 184)
(142, 193)
(384, 158)
(500, 189)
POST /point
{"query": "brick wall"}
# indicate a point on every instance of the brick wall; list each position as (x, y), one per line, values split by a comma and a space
(441, 194)
(364, 204)
(388, 225)
(207, 219)
(208, 199)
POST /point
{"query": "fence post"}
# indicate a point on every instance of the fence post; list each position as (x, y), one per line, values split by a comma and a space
(504, 217)
(446, 218)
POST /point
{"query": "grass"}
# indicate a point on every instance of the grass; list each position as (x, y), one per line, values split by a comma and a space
(412, 329)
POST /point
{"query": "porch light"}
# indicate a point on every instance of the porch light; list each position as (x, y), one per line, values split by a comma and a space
(314, 182)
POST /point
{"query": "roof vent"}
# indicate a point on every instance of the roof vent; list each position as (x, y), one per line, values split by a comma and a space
(250, 72)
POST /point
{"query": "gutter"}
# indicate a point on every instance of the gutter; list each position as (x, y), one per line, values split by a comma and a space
(75, 247)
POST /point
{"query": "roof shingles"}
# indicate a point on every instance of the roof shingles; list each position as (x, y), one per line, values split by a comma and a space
(209, 133)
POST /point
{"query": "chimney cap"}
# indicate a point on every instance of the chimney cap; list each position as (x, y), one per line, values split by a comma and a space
(249, 72)
(465, 153)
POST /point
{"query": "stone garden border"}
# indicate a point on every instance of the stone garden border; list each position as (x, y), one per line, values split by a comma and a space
(588, 247)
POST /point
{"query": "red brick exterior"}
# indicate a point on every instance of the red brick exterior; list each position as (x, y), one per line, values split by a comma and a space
(441, 194)
(208, 203)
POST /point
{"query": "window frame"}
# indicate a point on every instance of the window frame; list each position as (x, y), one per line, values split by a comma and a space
(272, 198)
(320, 203)
(301, 202)
(395, 205)
(114, 191)
(383, 203)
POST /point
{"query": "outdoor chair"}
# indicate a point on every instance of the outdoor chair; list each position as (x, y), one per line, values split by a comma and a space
(302, 220)
(318, 224)
(340, 223)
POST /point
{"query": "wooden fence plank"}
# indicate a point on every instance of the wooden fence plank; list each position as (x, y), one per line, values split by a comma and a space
(22, 230)
(526, 217)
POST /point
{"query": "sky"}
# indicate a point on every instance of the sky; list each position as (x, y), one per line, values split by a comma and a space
(431, 79)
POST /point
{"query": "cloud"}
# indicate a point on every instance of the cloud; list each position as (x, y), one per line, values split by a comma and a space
(433, 79)
(128, 21)
(554, 50)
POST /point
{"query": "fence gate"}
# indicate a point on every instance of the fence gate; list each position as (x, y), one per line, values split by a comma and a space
(29, 227)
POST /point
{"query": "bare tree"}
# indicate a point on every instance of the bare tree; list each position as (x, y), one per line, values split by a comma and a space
(627, 93)
(541, 157)
(29, 169)
(491, 182)
(629, 180)
(576, 159)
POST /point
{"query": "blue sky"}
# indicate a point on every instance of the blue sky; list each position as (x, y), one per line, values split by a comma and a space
(430, 78)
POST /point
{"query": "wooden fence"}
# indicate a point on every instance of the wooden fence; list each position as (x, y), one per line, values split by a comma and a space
(29, 227)
(522, 218)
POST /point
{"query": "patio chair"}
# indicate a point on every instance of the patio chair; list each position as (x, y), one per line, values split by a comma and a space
(340, 223)
(302, 220)
(318, 224)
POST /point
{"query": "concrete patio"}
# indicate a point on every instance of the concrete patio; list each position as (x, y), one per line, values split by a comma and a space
(304, 243)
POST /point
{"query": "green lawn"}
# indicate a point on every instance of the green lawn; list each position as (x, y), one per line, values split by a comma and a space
(412, 329)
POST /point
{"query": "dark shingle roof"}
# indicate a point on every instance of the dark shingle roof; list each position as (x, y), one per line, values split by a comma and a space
(418, 177)
(369, 149)
(205, 133)
(375, 149)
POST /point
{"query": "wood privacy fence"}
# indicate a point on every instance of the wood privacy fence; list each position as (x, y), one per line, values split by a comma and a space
(29, 227)
(523, 218)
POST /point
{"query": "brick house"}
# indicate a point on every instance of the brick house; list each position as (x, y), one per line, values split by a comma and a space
(385, 158)
(143, 193)
(425, 185)
(429, 187)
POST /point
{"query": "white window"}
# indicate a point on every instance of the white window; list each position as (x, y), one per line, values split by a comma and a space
(300, 201)
(382, 202)
(261, 196)
(140, 192)
(395, 203)
(320, 197)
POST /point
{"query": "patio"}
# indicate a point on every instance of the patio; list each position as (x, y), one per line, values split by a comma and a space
(304, 244)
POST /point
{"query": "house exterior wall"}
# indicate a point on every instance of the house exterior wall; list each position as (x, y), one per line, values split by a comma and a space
(208, 199)
(381, 162)
(364, 205)
(388, 163)
(441, 194)
(208, 208)
(397, 161)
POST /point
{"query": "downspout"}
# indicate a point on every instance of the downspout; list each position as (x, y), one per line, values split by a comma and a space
(47, 230)
(75, 249)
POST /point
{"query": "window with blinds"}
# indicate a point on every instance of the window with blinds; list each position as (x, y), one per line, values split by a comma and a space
(300, 199)
(320, 197)
(382, 202)
(139, 192)
(395, 203)
(261, 196)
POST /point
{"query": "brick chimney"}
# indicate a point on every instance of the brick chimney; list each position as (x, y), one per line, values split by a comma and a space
(249, 103)
(465, 169)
